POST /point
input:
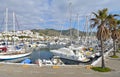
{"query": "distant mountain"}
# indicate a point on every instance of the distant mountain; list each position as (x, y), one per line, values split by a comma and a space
(53, 32)
(48, 32)
(73, 32)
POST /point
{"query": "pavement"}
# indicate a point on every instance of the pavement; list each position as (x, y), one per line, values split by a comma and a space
(16, 70)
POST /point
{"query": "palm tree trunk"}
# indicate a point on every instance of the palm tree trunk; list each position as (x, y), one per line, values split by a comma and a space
(118, 44)
(102, 54)
(114, 44)
(117, 48)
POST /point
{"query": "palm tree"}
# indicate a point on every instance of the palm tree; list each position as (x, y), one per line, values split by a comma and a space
(113, 26)
(115, 35)
(118, 39)
(103, 33)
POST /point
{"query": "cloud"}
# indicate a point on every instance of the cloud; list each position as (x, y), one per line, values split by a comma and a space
(41, 13)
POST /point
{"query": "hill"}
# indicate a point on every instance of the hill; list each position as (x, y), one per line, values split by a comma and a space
(53, 32)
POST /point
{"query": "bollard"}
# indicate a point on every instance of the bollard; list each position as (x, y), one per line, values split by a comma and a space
(39, 62)
(25, 66)
(55, 67)
(89, 67)
(1, 64)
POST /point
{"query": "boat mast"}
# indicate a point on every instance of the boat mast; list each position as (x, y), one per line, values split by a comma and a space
(91, 32)
(78, 26)
(6, 21)
(14, 29)
(61, 30)
(6, 24)
(86, 35)
(70, 20)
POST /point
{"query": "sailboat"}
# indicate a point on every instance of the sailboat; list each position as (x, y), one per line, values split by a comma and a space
(11, 52)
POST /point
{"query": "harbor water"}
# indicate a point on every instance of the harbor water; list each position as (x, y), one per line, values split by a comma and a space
(43, 54)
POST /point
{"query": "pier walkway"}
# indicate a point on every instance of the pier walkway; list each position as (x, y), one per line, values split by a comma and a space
(15, 70)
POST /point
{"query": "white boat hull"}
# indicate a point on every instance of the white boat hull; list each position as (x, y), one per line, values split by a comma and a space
(13, 56)
(69, 57)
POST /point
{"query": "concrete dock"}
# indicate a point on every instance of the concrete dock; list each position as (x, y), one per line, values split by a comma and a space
(16, 70)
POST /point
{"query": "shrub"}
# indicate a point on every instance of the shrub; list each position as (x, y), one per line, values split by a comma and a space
(114, 56)
(100, 69)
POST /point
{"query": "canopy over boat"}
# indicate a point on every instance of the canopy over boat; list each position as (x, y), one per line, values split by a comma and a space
(4, 49)
(26, 61)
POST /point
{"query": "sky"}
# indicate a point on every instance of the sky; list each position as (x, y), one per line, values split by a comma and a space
(56, 14)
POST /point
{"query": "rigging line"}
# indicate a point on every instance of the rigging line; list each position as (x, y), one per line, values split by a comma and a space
(78, 32)
(70, 21)
(2, 24)
(61, 31)
(17, 22)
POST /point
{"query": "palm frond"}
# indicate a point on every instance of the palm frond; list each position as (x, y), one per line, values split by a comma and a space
(116, 15)
(118, 22)
(95, 22)
(115, 34)
(95, 14)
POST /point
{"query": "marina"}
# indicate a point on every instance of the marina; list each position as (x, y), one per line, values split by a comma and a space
(55, 49)
(46, 55)
(59, 38)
